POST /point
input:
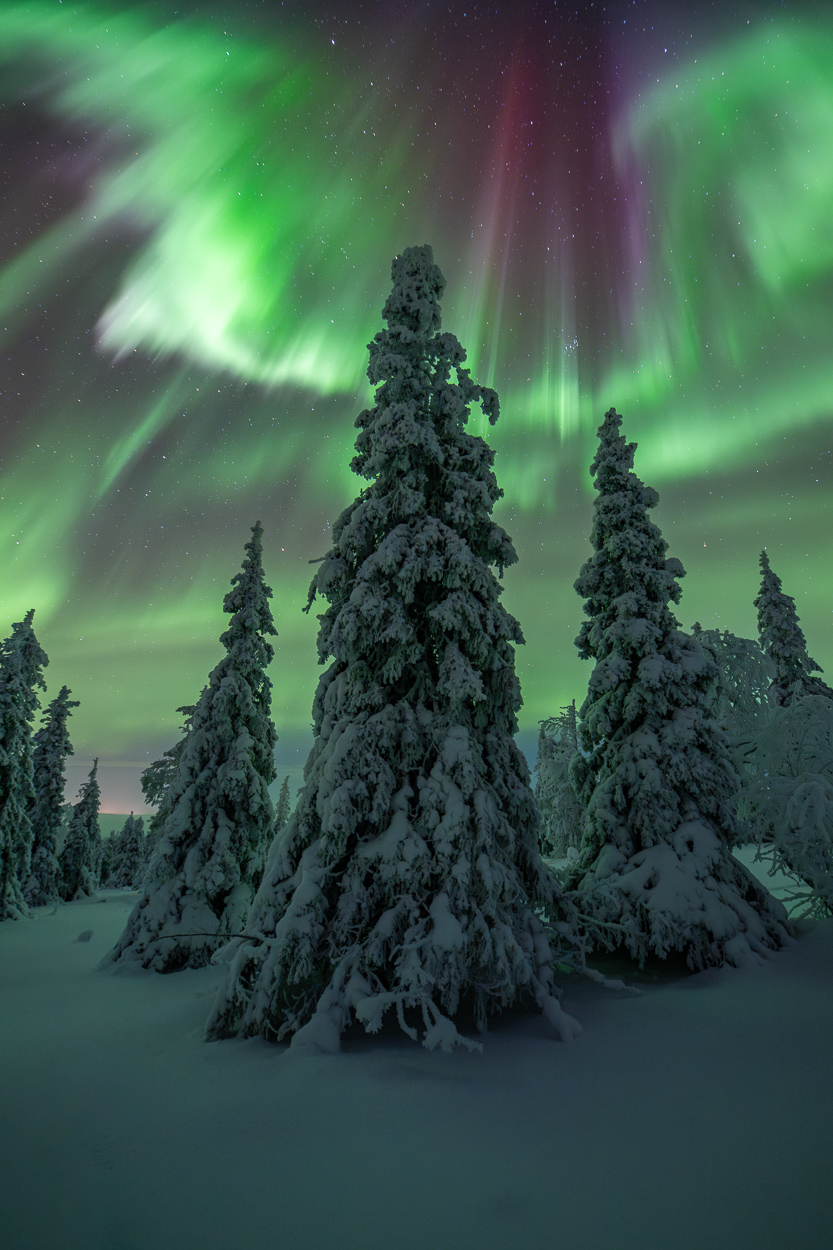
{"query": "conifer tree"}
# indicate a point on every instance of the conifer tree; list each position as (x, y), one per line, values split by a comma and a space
(146, 847)
(283, 807)
(21, 663)
(216, 811)
(158, 784)
(108, 854)
(127, 853)
(743, 707)
(789, 804)
(560, 812)
(111, 861)
(81, 857)
(51, 747)
(655, 874)
(783, 641)
(409, 874)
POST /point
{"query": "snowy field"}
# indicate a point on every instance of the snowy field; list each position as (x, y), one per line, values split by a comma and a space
(694, 1115)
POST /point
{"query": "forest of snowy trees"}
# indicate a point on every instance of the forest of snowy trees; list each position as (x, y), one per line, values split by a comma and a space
(419, 873)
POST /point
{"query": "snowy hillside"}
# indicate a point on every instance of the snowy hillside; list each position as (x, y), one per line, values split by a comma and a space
(694, 1115)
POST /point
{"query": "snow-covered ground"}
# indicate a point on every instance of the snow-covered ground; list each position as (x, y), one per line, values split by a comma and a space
(694, 1115)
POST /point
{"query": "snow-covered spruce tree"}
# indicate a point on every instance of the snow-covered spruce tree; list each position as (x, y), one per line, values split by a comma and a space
(146, 847)
(51, 747)
(218, 815)
(559, 809)
(21, 663)
(158, 783)
(283, 806)
(409, 874)
(783, 641)
(789, 803)
(81, 857)
(655, 873)
(743, 705)
(109, 847)
(127, 853)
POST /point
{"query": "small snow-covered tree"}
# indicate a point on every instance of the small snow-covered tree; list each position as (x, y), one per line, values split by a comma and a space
(146, 848)
(128, 848)
(655, 873)
(743, 706)
(560, 811)
(744, 676)
(108, 854)
(783, 641)
(51, 747)
(22, 661)
(283, 806)
(215, 807)
(132, 851)
(81, 857)
(409, 875)
(790, 801)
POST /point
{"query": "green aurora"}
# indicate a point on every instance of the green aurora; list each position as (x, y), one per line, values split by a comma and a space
(196, 234)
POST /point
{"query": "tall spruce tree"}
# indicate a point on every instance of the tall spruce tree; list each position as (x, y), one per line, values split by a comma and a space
(217, 813)
(655, 873)
(22, 661)
(409, 874)
(783, 641)
(51, 747)
(81, 857)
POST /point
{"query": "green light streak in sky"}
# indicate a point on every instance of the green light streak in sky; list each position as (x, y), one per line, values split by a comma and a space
(730, 344)
(248, 202)
(126, 447)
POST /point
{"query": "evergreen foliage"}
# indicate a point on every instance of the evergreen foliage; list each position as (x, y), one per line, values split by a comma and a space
(146, 849)
(216, 813)
(783, 641)
(51, 747)
(743, 706)
(158, 785)
(790, 801)
(81, 857)
(655, 874)
(159, 776)
(559, 809)
(128, 854)
(409, 873)
(22, 661)
(108, 855)
(283, 807)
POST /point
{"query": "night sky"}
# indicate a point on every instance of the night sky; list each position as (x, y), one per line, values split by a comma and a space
(632, 204)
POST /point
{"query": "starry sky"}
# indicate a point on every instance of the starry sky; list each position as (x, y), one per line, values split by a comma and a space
(632, 204)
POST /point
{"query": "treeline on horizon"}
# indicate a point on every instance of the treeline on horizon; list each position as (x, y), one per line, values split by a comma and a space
(419, 872)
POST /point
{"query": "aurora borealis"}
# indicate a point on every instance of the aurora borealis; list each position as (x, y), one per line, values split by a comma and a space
(632, 205)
